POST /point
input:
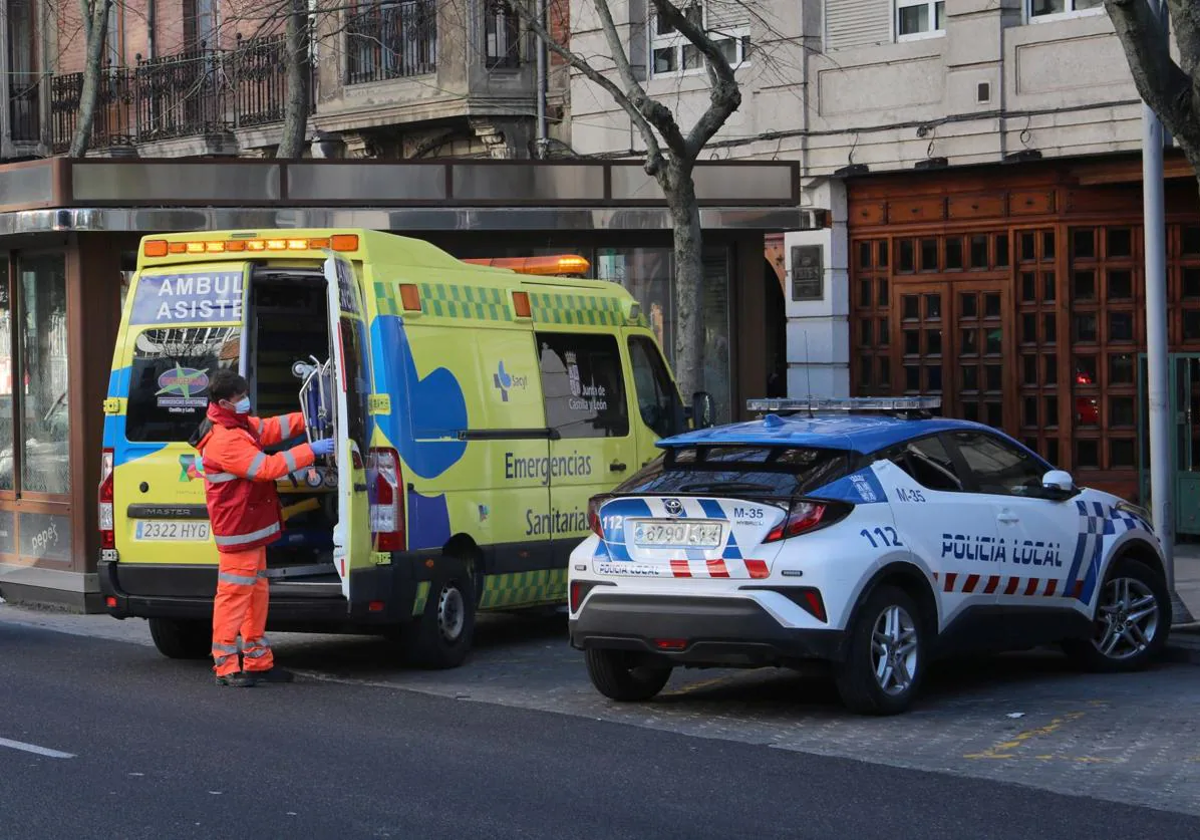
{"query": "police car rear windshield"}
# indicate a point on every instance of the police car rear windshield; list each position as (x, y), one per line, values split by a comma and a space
(743, 470)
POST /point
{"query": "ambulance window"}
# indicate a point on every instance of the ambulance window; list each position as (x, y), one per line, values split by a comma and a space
(583, 386)
(168, 386)
(656, 397)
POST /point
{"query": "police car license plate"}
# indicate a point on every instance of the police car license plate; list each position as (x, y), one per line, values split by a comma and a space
(186, 530)
(657, 534)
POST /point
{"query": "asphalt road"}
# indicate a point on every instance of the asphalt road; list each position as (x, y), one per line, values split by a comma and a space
(157, 751)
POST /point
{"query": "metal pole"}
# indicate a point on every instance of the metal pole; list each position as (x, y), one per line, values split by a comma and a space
(1162, 486)
(542, 132)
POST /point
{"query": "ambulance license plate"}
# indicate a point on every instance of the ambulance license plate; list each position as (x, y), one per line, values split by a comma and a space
(658, 534)
(186, 530)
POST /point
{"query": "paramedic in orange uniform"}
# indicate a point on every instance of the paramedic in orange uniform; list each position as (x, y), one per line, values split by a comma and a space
(239, 485)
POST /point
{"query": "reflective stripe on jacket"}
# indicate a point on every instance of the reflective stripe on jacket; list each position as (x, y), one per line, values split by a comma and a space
(239, 478)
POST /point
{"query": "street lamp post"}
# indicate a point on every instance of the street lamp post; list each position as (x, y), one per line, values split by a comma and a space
(1162, 488)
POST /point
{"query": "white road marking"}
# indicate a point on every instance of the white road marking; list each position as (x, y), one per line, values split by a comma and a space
(34, 748)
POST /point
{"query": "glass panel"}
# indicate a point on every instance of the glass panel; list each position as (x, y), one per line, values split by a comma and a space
(1083, 243)
(867, 329)
(912, 342)
(589, 364)
(1049, 329)
(864, 292)
(1052, 450)
(1191, 283)
(979, 251)
(991, 305)
(1120, 326)
(1029, 367)
(1049, 287)
(1029, 329)
(1085, 327)
(1048, 245)
(864, 255)
(1084, 285)
(1085, 370)
(45, 426)
(995, 414)
(1028, 287)
(995, 342)
(929, 255)
(1120, 242)
(912, 378)
(968, 305)
(954, 253)
(1031, 443)
(1028, 247)
(908, 260)
(1191, 325)
(940, 15)
(883, 292)
(885, 371)
(883, 254)
(1051, 415)
(1121, 454)
(657, 399)
(883, 332)
(914, 19)
(970, 342)
(1050, 376)
(665, 60)
(970, 378)
(864, 371)
(933, 307)
(993, 377)
(933, 377)
(172, 411)
(933, 342)
(1002, 250)
(1087, 412)
(971, 412)
(1120, 285)
(1087, 454)
(1120, 369)
(1120, 411)
(6, 376)
(910, 307)
(1031, 411)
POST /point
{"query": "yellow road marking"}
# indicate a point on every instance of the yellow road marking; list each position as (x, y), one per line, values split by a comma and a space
(1006, 749)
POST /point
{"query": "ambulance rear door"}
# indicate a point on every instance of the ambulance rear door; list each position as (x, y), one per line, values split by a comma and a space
(349, 347)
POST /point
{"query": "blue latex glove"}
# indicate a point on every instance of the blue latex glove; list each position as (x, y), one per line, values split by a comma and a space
(322, 447)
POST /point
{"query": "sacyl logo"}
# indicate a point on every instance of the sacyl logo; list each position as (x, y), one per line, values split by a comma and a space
(505, 382)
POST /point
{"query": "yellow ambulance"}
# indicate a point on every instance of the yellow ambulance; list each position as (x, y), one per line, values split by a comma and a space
(476, 410)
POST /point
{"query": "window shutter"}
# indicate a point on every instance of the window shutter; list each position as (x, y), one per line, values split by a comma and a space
(857, 23)
(726, 14)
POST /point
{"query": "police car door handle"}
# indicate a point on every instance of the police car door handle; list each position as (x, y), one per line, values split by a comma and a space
(617, 466)
(1008, 517)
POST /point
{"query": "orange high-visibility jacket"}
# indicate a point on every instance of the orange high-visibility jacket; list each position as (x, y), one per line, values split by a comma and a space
(239, 478)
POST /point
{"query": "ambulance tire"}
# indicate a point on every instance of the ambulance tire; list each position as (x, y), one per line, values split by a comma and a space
(177, 639)
(860, 689)
(441, 637)
(1138, 579)
(618, 679)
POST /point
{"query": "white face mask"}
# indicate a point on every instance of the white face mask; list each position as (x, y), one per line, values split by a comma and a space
(242, 406)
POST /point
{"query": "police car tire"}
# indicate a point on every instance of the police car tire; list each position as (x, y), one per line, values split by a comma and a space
(429, 649)
(177, 639)
(613, 677)
(855, 677)
(1083, 652)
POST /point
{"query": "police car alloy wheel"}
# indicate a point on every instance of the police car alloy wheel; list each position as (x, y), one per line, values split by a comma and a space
(1133, 614)
(885, 657)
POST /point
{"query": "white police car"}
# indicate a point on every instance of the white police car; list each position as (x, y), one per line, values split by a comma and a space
(874, 543)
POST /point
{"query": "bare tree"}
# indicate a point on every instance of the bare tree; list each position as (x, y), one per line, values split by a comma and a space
(671, 152)
(299, 74)
(1172, 90)
(95, 22)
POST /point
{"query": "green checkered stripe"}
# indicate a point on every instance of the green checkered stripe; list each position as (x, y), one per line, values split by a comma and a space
(521, 589)
(385, 297)
(421, 598)
(583, 310)
(471, 302)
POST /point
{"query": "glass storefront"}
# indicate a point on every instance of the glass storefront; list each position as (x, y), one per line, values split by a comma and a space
(45, 414)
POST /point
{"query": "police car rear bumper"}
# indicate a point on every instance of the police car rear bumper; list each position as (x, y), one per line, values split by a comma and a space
(133, 590)
(681, 630)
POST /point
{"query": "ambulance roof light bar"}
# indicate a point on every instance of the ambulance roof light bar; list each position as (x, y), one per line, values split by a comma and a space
(546, 266)
(921, 405)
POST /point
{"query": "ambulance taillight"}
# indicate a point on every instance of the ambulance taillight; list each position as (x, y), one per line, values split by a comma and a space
(105, 496)
(387, 508)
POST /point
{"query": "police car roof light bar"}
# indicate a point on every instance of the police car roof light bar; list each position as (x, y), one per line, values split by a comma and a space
(918, 404)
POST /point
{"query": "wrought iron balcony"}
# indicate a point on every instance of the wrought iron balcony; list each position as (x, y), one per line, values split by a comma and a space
(196, 92)
(391, 41)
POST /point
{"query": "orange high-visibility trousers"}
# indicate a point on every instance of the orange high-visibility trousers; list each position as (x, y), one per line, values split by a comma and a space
(240, 608)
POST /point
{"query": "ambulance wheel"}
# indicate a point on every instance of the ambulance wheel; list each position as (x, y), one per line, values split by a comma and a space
(885, 658)
(1133, 615)
(618, 678)
(182, 639)
(445, 629)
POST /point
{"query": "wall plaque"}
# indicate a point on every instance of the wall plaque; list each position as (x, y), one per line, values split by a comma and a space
(808, 272)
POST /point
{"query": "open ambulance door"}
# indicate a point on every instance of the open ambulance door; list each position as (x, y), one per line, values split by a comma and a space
(349, 350)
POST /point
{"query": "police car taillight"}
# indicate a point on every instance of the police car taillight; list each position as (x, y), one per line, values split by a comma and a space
(593, 515)
(804, 516)
(387, 508)
(105, 498)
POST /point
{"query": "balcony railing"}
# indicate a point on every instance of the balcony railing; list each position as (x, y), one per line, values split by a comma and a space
(23, 109)
(196, 92)
(391, 41)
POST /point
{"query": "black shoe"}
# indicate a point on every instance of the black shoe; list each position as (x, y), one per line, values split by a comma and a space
(275, 675)
(238, 679)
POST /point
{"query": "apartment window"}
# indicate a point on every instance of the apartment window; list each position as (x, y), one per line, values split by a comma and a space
(920, 19)
(726, 25)
(1044, 9)
(391, 40)
(501, 33)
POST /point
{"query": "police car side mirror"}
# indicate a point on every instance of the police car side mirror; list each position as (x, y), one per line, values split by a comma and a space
(703, 410)
(1058, 484)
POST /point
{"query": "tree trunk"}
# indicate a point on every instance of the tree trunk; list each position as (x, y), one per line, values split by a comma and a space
(687, 238)
(97, 32)
(295, 114)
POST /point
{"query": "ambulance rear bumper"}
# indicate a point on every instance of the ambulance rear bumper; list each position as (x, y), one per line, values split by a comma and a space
(142, 590)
